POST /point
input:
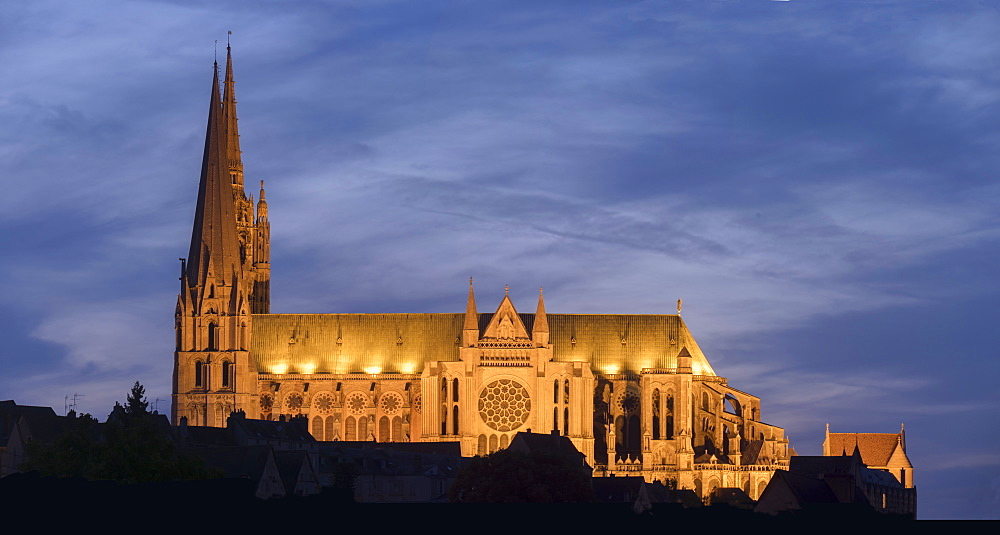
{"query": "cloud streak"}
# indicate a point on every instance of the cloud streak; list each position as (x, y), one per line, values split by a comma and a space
(784, 168)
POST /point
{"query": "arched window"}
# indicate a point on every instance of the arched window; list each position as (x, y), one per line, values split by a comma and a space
(493, 443)
(397, 429)
(656, 414)
(481, 450)
(555, 419)
(213, 337)
(555, 391)
(704, 401)
(670, 416)
(352, 428)
(566, 422)
(363, 428)
(566, 392)
(317, 430)
(444, 419)
(454, 419)
(454, 390)
(383, 429)
(227, 370)
(328, 433)
(199, 374)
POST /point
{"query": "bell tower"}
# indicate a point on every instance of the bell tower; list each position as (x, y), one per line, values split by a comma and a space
(212, 371)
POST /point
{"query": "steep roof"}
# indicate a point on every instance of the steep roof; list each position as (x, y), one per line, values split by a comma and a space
(214, 243)
(876, 448)
(11, 412)
(352, 343)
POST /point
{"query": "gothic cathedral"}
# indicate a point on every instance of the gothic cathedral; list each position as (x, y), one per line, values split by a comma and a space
(633, 392)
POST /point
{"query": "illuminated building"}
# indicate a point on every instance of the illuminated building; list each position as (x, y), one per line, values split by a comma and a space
(633, 392)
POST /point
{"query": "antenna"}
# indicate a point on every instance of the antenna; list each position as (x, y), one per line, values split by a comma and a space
(69, 403)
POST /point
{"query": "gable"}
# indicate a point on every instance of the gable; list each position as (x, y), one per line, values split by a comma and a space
(506, 324)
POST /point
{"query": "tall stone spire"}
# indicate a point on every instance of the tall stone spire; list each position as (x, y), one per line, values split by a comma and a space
(233, 154)
(540, 331)
(215, 248)
(471, 329)
(212, 370)
(260, 299)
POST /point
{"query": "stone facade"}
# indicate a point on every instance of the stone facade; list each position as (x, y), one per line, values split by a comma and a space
(634, 393)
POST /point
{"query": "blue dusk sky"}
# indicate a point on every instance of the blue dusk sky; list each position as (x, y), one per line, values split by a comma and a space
(816, 179)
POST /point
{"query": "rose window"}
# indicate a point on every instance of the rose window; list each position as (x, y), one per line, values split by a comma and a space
(391, 403)
(628, 402)
(323, 402)
(294, 401)
(266, 402)
(357, 403)
(417, 401)
(504, 405)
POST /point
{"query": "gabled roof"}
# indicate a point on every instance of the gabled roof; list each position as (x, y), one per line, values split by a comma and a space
(10, 412)
(291, 464)
(804, 489)
(876, 448)
(658, 493)
(266, 430)
(548, 444)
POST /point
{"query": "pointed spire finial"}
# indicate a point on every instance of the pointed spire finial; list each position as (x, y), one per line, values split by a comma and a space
(679, 303)
(262, 190)
(471, 318)
(506, 290)
(540, 330)
(233, 153)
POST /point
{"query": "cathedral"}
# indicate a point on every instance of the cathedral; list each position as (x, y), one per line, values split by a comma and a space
(633, 392)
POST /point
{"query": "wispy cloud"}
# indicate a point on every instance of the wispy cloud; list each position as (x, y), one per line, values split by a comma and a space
(776, 164)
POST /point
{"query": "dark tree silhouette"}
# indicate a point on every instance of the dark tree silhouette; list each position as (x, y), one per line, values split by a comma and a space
(135, 401)
(133, 446)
